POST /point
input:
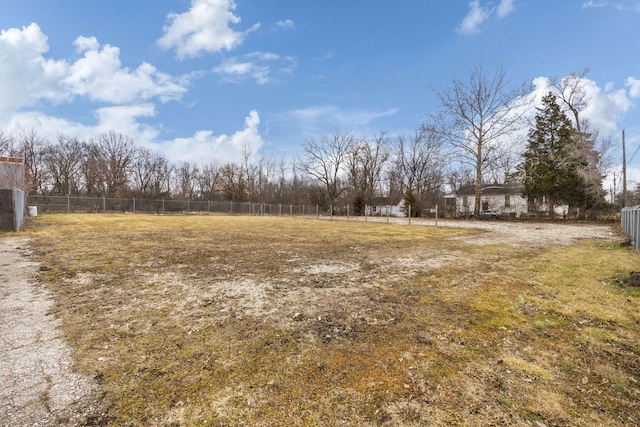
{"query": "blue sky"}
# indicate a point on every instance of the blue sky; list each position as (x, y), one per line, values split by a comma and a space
(199, 79)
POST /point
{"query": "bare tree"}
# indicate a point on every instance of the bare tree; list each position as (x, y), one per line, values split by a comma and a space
(150, 173)
(299, 184)
(420, 163)
(6, 144)
(32, 147)
(64, 162)
(365, 164)
(112, 156)
(186, 180)
(456, 178)
(571, 92)
(477, 117)
(208, 178)
(325, 161)
(264, 186)
(231, 183)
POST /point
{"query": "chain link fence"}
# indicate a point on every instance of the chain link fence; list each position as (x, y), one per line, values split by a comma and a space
(78, 204)
(630, 222)
(12, 209)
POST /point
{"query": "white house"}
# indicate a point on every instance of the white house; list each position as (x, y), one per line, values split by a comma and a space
(506, 199)
(386, 206)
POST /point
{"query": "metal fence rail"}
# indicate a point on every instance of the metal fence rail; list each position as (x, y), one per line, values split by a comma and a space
(12, 209)
(630, 222)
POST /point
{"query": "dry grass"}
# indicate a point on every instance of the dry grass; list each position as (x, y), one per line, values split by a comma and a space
(220, 320)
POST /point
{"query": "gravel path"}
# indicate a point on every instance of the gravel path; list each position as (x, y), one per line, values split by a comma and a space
(519, 234)
(37, 384)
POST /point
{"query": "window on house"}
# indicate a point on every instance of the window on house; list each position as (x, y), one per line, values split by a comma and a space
(507, 201)
(465, 201)
(485, 206)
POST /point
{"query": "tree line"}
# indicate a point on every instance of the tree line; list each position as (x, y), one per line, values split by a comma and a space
(340, 168)
(470, 139)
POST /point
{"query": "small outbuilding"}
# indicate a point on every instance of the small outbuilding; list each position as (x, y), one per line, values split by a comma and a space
(386, 206)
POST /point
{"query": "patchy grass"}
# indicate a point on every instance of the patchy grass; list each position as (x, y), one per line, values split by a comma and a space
(223, 320)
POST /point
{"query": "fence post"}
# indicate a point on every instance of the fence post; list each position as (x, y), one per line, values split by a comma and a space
(365, 213)
(290, 210)
(331, 212)
(209, 206)
(436, 215)
(163, 205)
(134, 205)
(348, 206)
(317, 213)
(388, 209)
(231, 204)
(303, 209)
(104, 204)
(409, 214)
(68, 204)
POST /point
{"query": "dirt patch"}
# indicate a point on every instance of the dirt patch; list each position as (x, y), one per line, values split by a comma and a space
(519, 234)
(39, 386)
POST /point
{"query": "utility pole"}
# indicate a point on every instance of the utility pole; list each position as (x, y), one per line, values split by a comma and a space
(624, 172)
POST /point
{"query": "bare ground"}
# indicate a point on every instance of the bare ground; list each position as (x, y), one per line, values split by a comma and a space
(517, 234)
(40, 387)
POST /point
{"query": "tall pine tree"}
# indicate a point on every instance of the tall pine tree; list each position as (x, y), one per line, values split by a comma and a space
(550, 168)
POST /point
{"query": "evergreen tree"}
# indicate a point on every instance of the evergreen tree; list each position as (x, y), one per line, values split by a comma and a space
(550, 168)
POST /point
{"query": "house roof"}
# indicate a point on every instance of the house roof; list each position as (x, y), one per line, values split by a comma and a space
(509, 188)
(384, 201)
(11, 159)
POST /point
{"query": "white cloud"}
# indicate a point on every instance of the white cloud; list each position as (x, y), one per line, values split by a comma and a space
(256, 66)
(620, 5)
(125, 120)
(317, 120)
(475, 17)
(605, 108)
(478, 14)
(634, 87)
(595, 3)
(26, 77)
(99, 75)
(205, 147)
(122, 119)
(205, 27)
(505, 8)
(286, 24)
